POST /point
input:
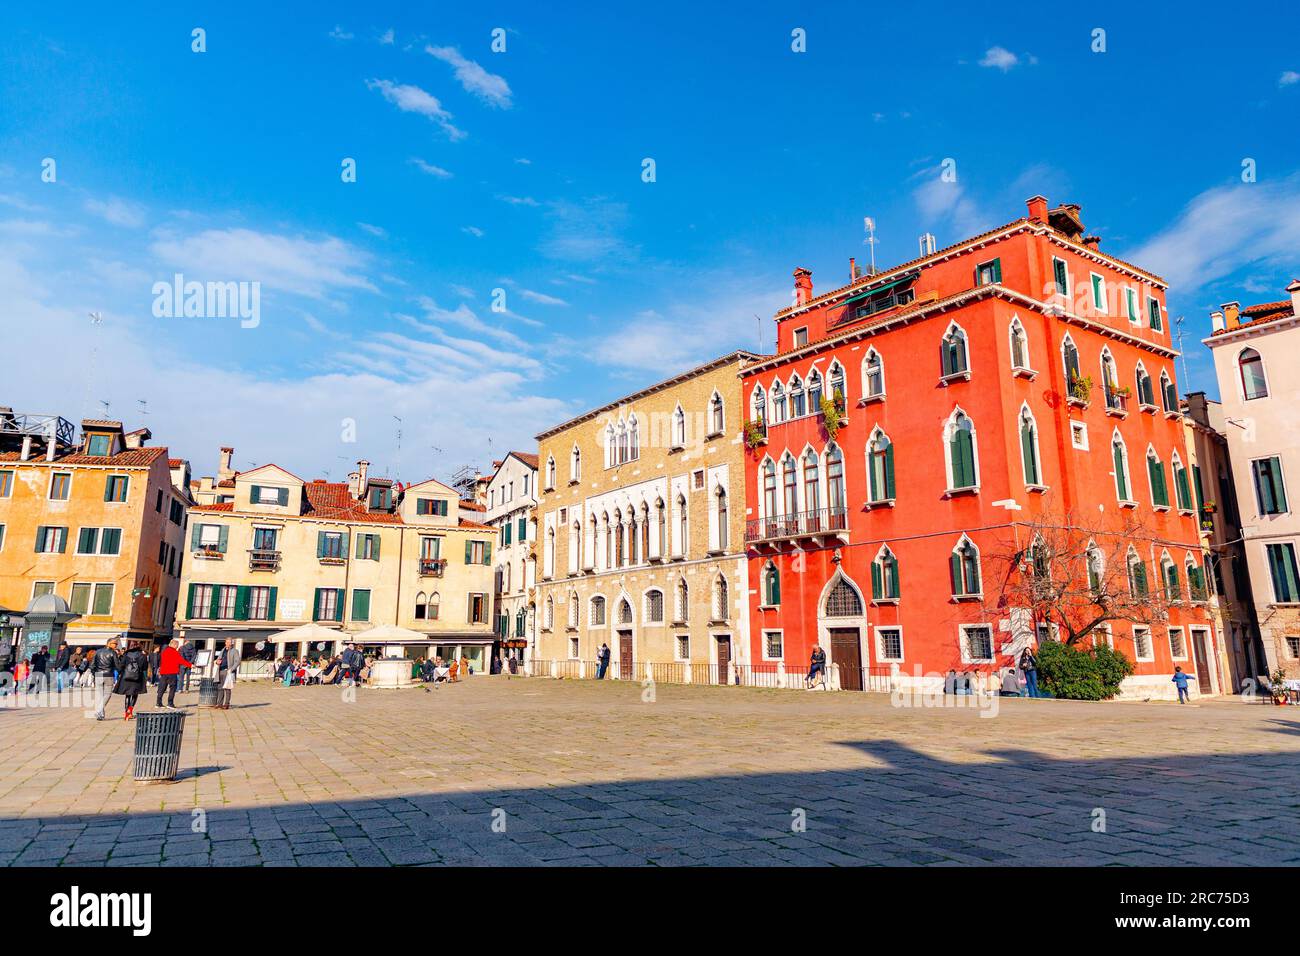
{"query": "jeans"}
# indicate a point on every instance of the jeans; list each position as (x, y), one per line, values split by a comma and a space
(600, 670)
(1183, 696)
(1031, 683)
(183, 678)
(62, 678)
(167, 682)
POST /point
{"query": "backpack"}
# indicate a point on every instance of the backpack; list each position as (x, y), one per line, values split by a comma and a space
(131, 670)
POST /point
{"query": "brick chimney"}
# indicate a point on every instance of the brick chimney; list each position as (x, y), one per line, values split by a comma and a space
(1037, 209)
(853, 268)
(1294, 289)
(803, 287)
(224, 470)
(363, 475)
(1092, 242)
(1231, 311)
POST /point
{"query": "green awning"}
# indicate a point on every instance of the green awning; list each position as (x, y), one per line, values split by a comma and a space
(880, 288)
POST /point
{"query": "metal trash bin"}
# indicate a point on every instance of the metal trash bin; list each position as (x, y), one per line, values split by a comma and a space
(207, 692)
(158, 744)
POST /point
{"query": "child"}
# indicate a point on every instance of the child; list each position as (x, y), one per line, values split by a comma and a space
(1180, 679)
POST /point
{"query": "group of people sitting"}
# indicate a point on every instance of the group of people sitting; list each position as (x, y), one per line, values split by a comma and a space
(353, 667)
(434, 670)
(295, 672)
(1021, 681)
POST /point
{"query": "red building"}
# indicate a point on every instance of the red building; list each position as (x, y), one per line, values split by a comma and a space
(982, 394)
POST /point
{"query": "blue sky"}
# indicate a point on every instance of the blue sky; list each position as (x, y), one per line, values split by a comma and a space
(521, 171)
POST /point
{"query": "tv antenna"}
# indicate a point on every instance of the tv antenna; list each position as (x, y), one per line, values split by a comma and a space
(1187, 380)
(869, 226)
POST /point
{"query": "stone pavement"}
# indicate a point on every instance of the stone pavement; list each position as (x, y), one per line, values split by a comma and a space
(586, 773)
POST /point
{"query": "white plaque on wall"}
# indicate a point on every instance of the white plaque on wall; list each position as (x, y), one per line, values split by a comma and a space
(292, 610)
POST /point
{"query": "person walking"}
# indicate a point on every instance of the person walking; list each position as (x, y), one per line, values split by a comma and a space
(228, 673)
(602, 661)
(1029, 667)
(352, 664)
(102, 667)
(63, 667)
(190, 654)
(132, 678)
(816, 665)
(36, 674)
(170, 664)
(1180, 681)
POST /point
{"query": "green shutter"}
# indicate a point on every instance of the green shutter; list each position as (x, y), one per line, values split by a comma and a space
(954, 562)
(40, 537)
(1196, 482)
(223, 538)
(521, 529)
(776, 585)
(1275, 479)
(214, 607)
(1184, 493)
(320, 544)
(1027, 450)
(1121, 480)
(469, 551)
(877, 584)
(360, 604)
(487, 552)
(189, 604)
(963, 460)
(270, 604)
(378, 541)
(315, 608)
(895, 583)
(282, 496)
(86, 540)
(241, 603)
(889, 470)
(63, 540)
(339, 598)
(196, 535)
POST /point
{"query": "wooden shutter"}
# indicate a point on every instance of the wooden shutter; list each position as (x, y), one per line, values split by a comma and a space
(282, 496)
(338, 604)
(241, 603)
(223, 537)
(40, 538)
(894, 584)
(270, 603)
(315, 608)
(877, 582)
(1121, 480)
(196, 537)
(62, 539)
(378, 539)
(487, 552)
(954, 563)
(469, 551)
(889, 470)
(214, 606)
(189, 603)
(1027, 450)
(320, 544)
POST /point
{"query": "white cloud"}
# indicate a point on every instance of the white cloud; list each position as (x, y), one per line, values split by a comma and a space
(486, 86)
(464, 291)
(428, 168)
(1288, 78)
(296, 264)
(388, 37)
(524, 162)
(541, 297)
(338, 33)
(946, 203)
(583, 231)
(117, 211)
(379, 231)
(474, 231)
(412, 99)
(1225, 229)
(519, 200)
(999, 58)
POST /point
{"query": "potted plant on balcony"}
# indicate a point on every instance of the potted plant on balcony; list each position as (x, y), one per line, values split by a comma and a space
(755, 435)
(1081, 388)
(832, 415)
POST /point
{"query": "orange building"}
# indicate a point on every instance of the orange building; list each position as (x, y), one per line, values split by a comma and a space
(98, 521)
(977, 397)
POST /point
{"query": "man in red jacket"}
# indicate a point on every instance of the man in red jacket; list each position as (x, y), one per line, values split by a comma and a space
(169, 667)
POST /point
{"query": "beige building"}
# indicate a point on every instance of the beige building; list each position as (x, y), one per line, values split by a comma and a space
(640, 531)
(98, 521)
(1257, 361)
(270, 551)
(1230, 602)
(511, 501)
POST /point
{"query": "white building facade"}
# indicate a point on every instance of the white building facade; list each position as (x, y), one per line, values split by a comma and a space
(511, 501)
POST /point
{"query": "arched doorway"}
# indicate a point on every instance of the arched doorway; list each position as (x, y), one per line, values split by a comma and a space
(841, 620)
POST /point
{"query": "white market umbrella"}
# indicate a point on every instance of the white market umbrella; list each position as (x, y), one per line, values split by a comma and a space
(389, 634)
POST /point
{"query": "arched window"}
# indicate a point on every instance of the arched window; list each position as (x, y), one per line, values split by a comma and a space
(760, 405)
(721, 601)
(1146, 394)
(884, 576)
(645, 531)
(1119, 455)
(814, 392)
(611, 447)
(835, 380)
(683, 609)
(548, 618)
(1019, 346)
(959, 445)
(835, 493)
(1110, 381)
(1168, 393)
(575, 465)
(609, 542)
(619, 541)
(769, 490)
(548, 566)
(1169, 577)
(797, 407)
(880, 467)
(679, 427)
(778, 403)
(717, 416)
(593, 543)
(1137, 576)
(952, 352)
(654, 606)
(661, 526)
(812, 496)
(575, 545)
(1156, 476)
(573, 610)
(1029, 457)
(420, 608)
(771, 585)
(1195, 580)
(723, 532)
(681, 525)
(1253, 382)
(964, 569)
(1070, 358)
(596, 616)
(873, 375)
(843, 600)
(625, 611)
(789, 486)
(432, 612)
(1182, 487)
(633, 440)
(550, 471)
(1096, 564)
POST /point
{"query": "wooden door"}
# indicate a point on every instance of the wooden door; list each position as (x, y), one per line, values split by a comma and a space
(724, 659)
(625, 655)
(1199, 640)
(846, 651)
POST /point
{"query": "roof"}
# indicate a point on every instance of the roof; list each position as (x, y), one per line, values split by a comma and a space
(175, 462)
(471, 505)
(1260, 314)
(333, 501)
(130, 458)
(528, 459)
(101, 423)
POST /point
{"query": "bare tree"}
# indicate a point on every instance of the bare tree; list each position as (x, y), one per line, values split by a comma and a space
(1079, 573)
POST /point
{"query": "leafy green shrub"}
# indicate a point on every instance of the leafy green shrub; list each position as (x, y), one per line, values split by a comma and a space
(1081, 673)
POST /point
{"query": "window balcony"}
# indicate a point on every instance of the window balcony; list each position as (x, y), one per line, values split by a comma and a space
(1116, 403)
(332, 559)
(822, 524)
(263, 560)
(432, 567)
(209, 552)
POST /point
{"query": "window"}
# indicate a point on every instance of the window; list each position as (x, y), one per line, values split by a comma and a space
(1253, 383)
(812, 499)
(1196, 580)
(721, 599)
(1142, 648)
(1293, 647)
(835, 379)
(575, 464)
(952, 353)
(959, 448)
(548, 615)
(988, 273)
(760, 405)
(683, 609)
(835, 493)
(42, 588)
(773, 645)
(1182, 488)
(1270, 494)
(263, 495)
(227, 602)
(1137, 577)
(1120, 455)
(1168, 394)
(1061, 276)
(1079, 435)
(431, 506)
(797, 407)
(1146, 394)
(778, 403)
(683, 647)
(654, 607)
(800, 337)
(51, 540)
(873, 375)
(1131, 305)
(880, 467)
(100, 446)
(102, 603)
(476, 611)
(99, 541)
(1169, 575)
(843, 600)
(771, 585)
(80, 602)
(625, 611)
(1098, 293)
(329, 545)
(260, 607)
(6, 484)
(1282, 568)
(264, 539)
(720, 497)
(60, 486)
(814, 392)
(1029, 459)
(1019, 346)
(977, 643)
(964, 569)
(1153, 314)
(633, 440)
(550, 472)
(115, 487)
(1156, 477)
(717, 416)
(1070, 357)
(478, 552)
(574, 649)
(1110, 382)
(328, 605)
(884, 576)
(596, 614)
(361, 604)
(889, 643)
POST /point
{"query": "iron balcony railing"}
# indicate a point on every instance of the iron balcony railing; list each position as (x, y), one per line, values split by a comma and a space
(803, 524)
(432, 567)
(261, 559)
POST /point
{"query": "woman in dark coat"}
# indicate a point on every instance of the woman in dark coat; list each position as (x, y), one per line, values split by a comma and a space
(133, 674)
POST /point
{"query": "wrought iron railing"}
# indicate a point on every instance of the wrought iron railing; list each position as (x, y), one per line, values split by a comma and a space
(798, 525)
(261, 559)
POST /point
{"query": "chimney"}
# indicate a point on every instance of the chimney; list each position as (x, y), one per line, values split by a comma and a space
(853, 269)
(27, 448)
(1092, 242)
(1037, 209)
(352, 484)
(1294, 289)
(1216, 318)
(803, 287)
(363, 475)
(1230, 312)
(927, 244)
(224, 470)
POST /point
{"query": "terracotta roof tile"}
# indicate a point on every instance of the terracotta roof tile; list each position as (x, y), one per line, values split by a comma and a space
(1263, 313)
(131, 458)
